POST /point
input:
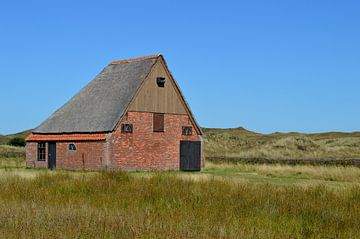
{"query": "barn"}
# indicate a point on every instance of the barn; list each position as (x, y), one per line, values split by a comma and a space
(132, 116)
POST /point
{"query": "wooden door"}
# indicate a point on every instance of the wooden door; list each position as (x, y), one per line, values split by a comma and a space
(52, 155)
(190, 155)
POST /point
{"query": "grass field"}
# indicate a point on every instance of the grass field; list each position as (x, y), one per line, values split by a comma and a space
(243, 144)
(222, 201)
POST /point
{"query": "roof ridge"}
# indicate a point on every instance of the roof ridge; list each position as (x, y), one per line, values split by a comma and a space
(134, 59)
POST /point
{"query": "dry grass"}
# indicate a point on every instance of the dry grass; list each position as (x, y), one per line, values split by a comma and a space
(7, 151)
(113, 205)
(325, 173)
(246, 144)
(223, 201)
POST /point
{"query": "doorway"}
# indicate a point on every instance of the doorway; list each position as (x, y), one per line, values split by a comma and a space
(52, 156)
(190, 155)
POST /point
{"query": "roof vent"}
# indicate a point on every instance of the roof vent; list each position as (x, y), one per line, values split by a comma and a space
(160, 81)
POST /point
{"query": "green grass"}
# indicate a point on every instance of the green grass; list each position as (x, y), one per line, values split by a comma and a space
(7, 151)
(10, 155)
(302, 175)
(241, 143)
(222, 201)
(112, 205)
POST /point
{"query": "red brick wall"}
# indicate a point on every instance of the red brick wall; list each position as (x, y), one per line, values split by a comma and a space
(31, 156)
(88, 155)
(147, 150)
(141, 150)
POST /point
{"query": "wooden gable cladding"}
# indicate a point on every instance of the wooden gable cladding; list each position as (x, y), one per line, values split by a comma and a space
(152, 98)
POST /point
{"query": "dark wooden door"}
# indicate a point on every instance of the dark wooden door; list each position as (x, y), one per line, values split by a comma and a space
(190, 155)
(52, 155)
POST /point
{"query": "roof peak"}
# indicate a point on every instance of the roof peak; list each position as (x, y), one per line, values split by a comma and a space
(135, 59)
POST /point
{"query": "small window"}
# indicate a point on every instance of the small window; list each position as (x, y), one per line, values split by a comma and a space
(186, 130)
(72, 147)
(41, 151)
(158, 122)
(160, 81)
(126, 128)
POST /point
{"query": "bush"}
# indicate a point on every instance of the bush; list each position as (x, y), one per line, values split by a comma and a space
(17, 141)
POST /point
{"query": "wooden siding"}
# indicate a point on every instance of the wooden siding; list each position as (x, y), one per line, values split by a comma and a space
(152, 98)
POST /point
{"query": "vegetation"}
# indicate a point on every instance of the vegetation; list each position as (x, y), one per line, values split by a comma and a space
(240, 143)
(13, 162)
(178, 205)
(223, 201)
(4, 139)
(7, 151)
(332, 176)
(17, 142)
(12, 152)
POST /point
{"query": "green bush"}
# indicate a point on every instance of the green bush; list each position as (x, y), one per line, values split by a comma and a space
(17, 141)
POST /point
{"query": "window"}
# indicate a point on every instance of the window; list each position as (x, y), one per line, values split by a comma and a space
(41, 151)
(126, 128)
(158, 122)
(160, 81)
(186, 130)
(72, 147)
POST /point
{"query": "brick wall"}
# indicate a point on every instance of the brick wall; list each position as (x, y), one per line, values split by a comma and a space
(31, 156)
(88, 155)
(147, 150)
(141, 150)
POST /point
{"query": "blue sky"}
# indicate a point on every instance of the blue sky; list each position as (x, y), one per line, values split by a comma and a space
(265, 65)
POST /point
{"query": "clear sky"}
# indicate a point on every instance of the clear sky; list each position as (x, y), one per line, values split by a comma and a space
(265, 65)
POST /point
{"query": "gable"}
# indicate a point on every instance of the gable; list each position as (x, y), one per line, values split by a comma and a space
(125, 85)
(171, 101)
(152, 98)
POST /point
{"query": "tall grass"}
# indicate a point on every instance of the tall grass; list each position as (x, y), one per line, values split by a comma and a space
(12, 157)
(7, 151)
(240, 143)
(339, 174)
(116, 204)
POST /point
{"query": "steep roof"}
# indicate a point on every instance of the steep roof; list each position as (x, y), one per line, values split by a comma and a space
(100, 105)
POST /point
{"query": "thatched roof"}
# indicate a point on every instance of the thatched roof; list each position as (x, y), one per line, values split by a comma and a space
(101, 104)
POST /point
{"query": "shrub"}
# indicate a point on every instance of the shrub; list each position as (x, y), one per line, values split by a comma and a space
(17, 141)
